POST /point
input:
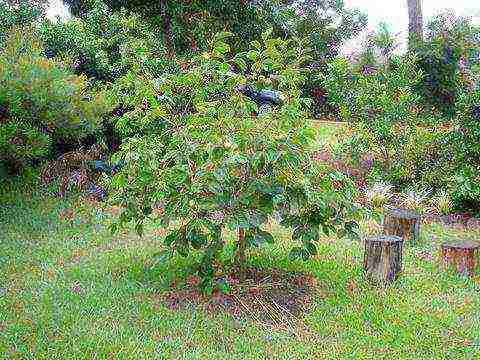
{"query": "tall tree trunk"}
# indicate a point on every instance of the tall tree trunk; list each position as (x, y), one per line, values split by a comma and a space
(240, 256)
(167, 27)
(415, 25)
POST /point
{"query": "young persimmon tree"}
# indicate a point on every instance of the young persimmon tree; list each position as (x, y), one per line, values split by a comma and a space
(207, 160)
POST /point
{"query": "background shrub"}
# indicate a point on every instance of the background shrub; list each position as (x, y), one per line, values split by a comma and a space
(446, 58)
(19, 13)
(103, 45)
(389, 129)
(40, 102)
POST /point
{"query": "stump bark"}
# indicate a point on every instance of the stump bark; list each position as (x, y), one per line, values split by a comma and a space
(383, 258)
(460, 256)
(402, 223)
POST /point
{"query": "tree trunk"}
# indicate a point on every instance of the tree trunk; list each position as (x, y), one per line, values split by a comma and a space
(415, 25)
(240, 256)
(402, 223)
(167, 27)
(383, 258)
(461, 257)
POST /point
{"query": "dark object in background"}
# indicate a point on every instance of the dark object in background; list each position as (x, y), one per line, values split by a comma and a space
(476, 112)
(97, 192)
(4, 171)
(102, 167)
(112, 138)
(63, 146)
(3, 113)
(263, 97)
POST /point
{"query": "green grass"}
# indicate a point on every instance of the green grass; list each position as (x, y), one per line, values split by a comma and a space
(69, 290)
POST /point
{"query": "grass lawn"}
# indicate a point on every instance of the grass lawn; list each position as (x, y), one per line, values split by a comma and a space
(70, 290)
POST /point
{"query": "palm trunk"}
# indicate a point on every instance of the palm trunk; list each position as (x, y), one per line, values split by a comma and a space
(415, 26)
(167, 26)
(240, 256)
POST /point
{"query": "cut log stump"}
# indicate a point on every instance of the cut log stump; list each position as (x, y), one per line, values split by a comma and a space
(402, 223)
(460, 256)
(383, 258)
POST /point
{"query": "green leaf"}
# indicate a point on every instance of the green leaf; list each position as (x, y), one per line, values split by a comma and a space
(296, 254)
(223, 35)
(311, 248)
(162, 257)
(260, 237)
(170, 238)
(267, 34)
(206, 285)
(241, 64)
(114, 229)
(183, 250)
(221, 49)
(256, 45)
(224, 287)
(197, 239)
(223, 68)
(253, 55)
(139, 228)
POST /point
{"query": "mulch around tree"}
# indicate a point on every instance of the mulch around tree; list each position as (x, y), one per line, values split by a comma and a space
(274, 298)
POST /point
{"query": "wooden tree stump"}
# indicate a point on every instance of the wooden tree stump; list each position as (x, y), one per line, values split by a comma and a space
(383, 258)
(402, 223)
(460, 256)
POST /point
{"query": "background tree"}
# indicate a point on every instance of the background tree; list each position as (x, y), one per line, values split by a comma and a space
(448, 58)
(19, 13)
(187, 26)
(103, 45)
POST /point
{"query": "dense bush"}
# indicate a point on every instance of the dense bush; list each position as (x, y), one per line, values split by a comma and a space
(40, 102)
(378, 103)
(466, 139)
(188, 26)
(402, 141)
(211, 159)
(19, 13)
(183, 28)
